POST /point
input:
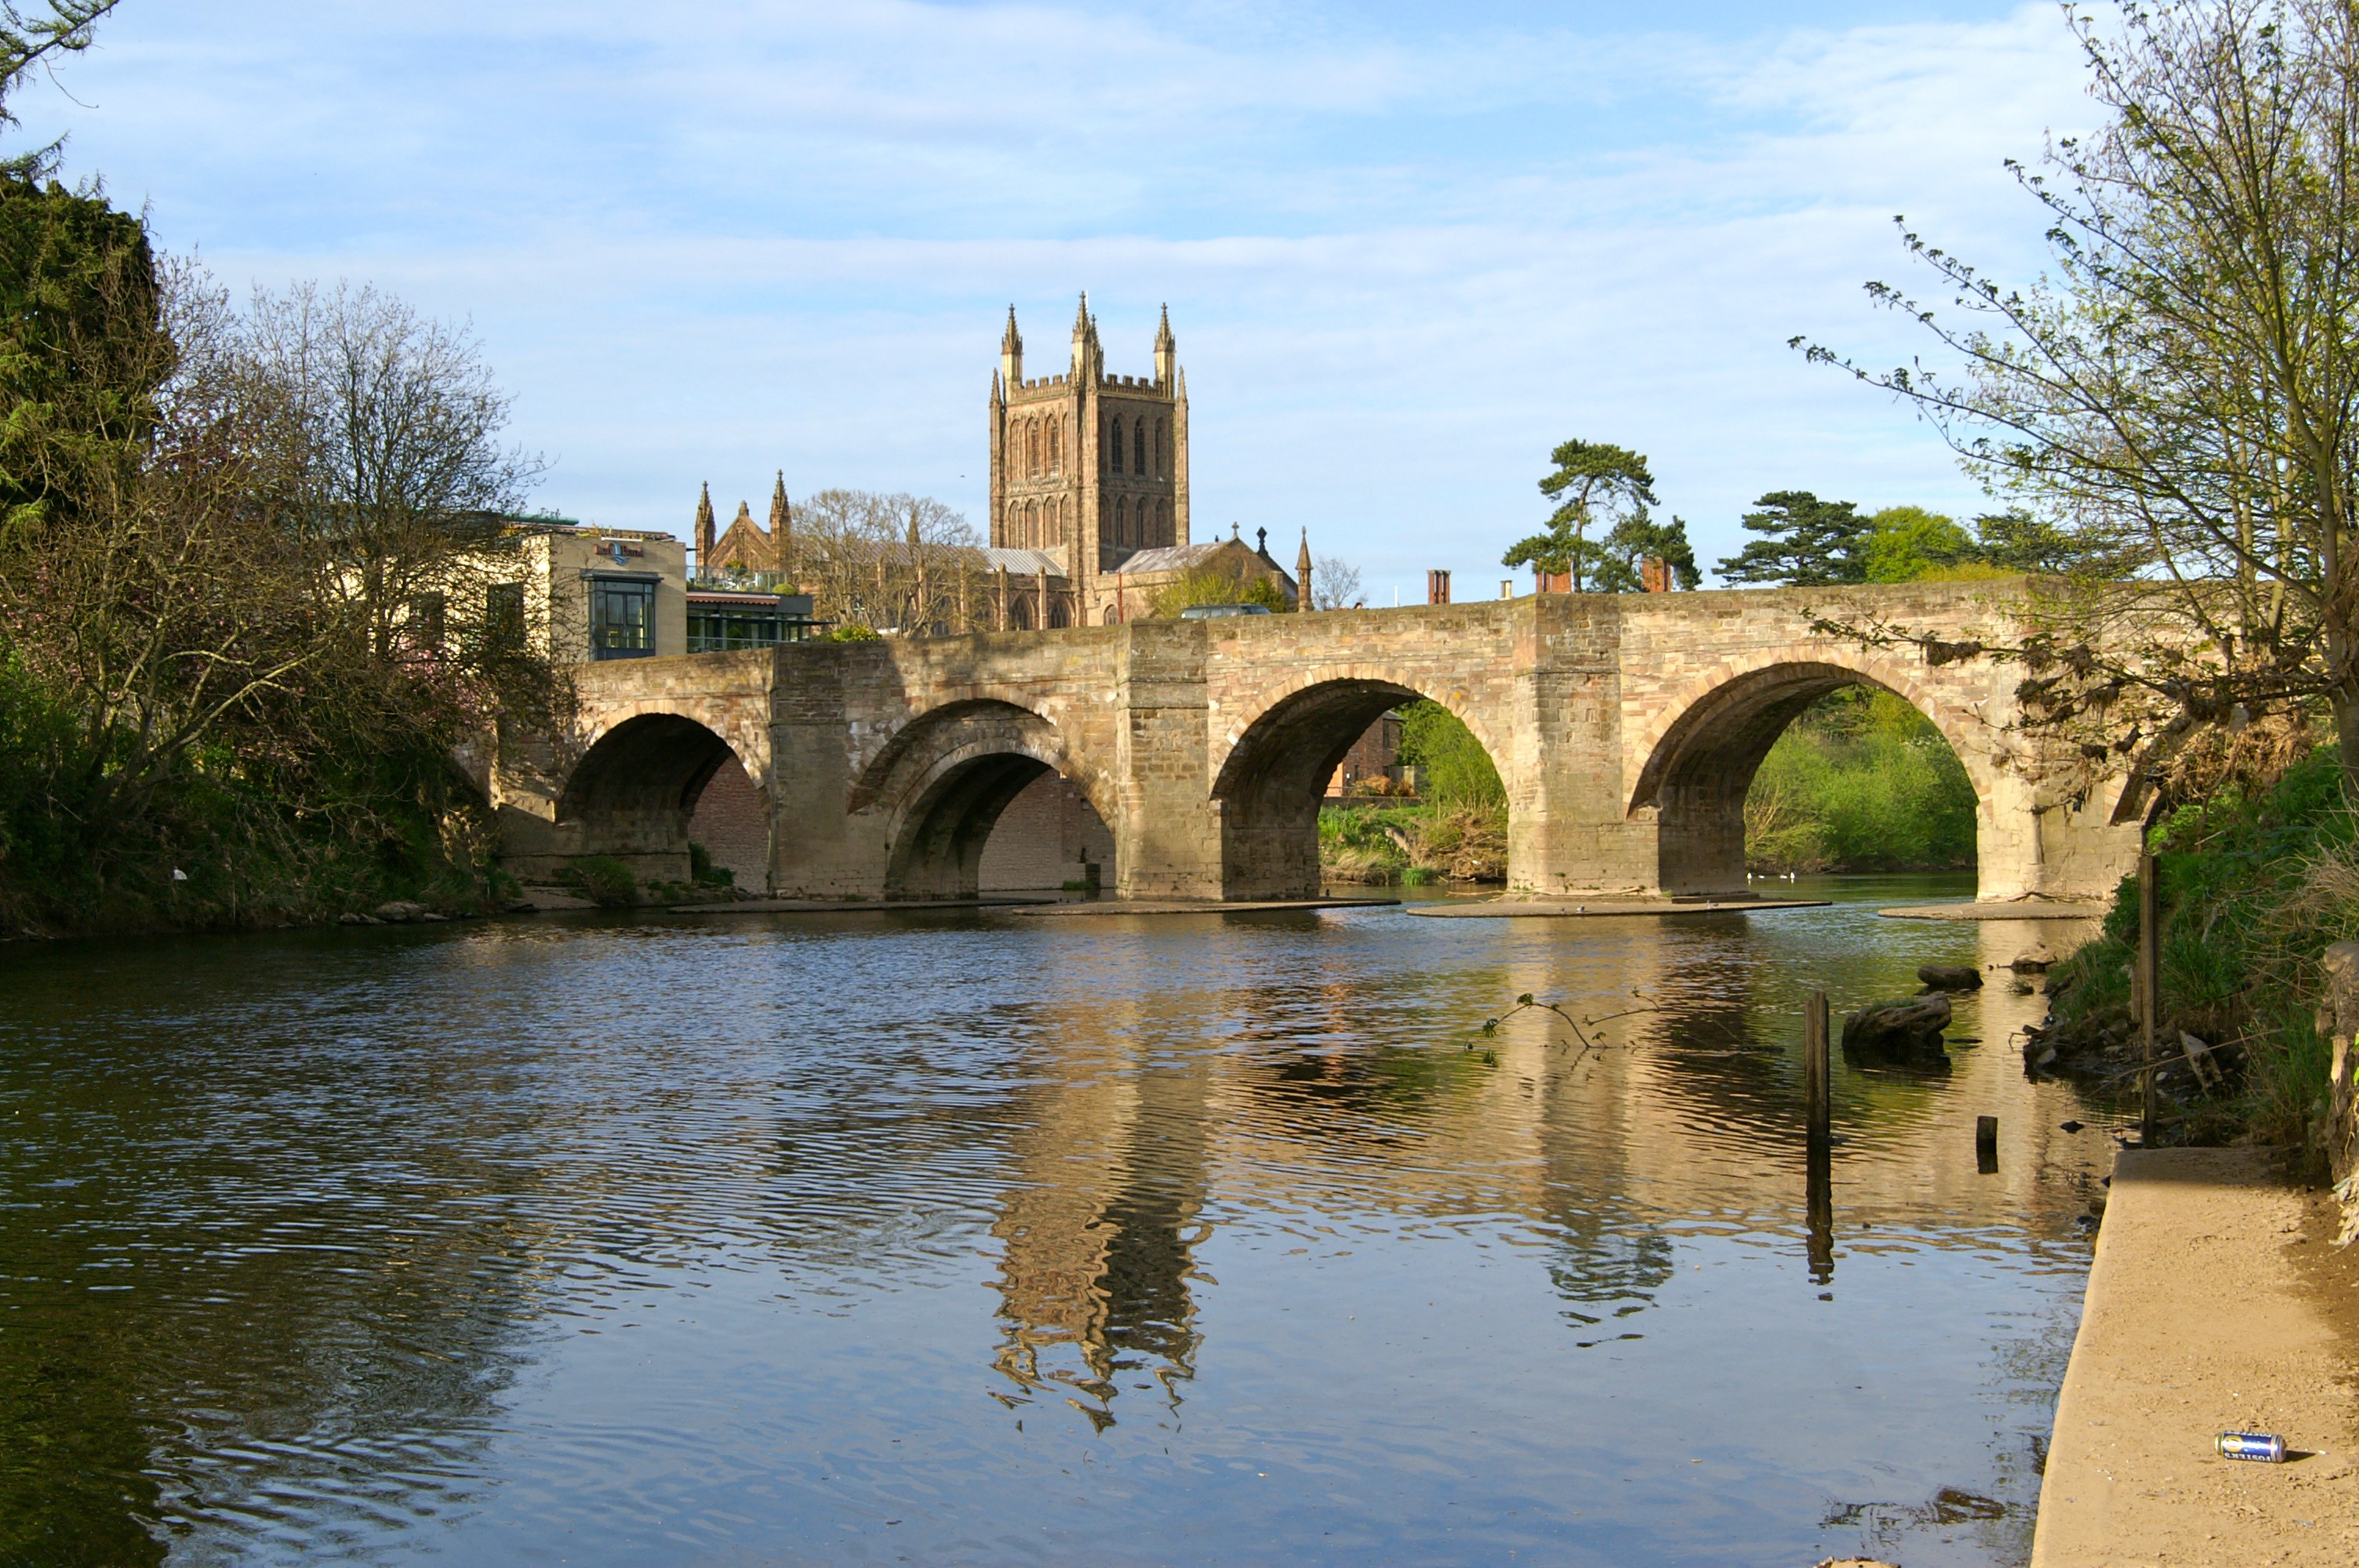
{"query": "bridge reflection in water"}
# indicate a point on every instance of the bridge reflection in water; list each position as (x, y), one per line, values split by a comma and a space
(1200, 1240)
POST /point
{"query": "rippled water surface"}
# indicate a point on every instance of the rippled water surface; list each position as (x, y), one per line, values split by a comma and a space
(997, 1239)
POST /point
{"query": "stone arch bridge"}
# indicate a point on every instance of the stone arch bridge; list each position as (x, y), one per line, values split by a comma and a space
(1627, 730)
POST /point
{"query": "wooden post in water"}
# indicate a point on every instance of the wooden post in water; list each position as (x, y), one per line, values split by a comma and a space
(2150, 990)
(1818, 1117)
(1817, 1092)
(1986, 1144)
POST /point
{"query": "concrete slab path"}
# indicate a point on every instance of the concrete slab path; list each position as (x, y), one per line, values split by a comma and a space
(2215, 1303)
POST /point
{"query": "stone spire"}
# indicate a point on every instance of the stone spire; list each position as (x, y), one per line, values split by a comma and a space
(782, 521)
(1302, 573)
(703, 531)
(1166, 350)
(1011, 353)
(1086, 359)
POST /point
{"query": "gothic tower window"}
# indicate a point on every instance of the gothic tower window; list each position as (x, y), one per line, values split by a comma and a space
(1032, 447)
(1162, 449)
(1139, 447)
(1164, 535)
(1056, 452)
(1114, 446)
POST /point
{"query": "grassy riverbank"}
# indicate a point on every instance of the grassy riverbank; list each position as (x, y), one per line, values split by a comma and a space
(2254, 888)
(1456, 831)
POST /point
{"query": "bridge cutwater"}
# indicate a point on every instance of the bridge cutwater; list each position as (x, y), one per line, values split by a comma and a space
(1627, 728)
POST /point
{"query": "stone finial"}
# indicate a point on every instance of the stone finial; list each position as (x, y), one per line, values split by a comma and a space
(1302, 573)
(779, 510)
(1011, 342)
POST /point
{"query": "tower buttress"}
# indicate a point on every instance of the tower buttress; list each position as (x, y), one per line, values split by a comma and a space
(997, 523)
(1178, 456)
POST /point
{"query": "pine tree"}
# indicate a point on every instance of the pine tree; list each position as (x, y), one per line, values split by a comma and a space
(1806, 542)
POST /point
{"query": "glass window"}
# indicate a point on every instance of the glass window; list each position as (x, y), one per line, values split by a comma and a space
(503, 616)
(622, 618)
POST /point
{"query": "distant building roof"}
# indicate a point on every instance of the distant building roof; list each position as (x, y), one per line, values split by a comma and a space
(1171, 557)
(1021, 563)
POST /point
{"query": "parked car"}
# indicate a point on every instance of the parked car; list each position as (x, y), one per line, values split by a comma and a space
(1218, 611)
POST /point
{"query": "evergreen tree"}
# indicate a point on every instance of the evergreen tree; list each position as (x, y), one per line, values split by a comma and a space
(1634, 541)
(1598, 482)
(1806, 542)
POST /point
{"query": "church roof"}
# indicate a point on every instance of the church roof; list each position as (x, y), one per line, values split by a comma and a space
(1021, 563)
(1171, 557)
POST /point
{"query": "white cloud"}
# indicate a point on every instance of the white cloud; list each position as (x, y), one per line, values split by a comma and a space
(1402, 264)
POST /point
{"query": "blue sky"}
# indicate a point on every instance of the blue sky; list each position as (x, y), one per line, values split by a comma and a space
(1407, 248)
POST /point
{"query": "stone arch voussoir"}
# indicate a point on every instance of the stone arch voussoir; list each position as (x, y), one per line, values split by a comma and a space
(1672, 718)
(1268, 699)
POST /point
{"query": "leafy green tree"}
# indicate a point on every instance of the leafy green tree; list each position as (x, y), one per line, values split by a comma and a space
(1907, 544)
(1804, 543)
(1598, 484)
(1454, 769)
(1213, 585)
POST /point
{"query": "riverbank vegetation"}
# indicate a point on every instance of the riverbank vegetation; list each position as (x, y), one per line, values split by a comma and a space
(1862, 782)
(1454, 830)
(2254, 884)
(231, 689)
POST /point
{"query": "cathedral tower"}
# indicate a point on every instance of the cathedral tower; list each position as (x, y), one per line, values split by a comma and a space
(1087, 468)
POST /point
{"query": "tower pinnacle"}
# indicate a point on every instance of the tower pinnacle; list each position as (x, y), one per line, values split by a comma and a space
(704, 530)
(1166, 350)
(1011, 353)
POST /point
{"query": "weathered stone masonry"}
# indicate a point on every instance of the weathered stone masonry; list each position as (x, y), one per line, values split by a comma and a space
(1626, 727)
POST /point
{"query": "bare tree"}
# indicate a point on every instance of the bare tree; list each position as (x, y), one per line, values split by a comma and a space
(891, 563)
(392, 466)
(2182, 392)
(1335, 584)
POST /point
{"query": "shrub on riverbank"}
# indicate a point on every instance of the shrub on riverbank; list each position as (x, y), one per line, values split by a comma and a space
(1413, 844)
(2254, 885)
(1862, 782)
(1456, 829)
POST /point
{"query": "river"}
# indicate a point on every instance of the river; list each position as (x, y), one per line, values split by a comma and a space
(961, 1237)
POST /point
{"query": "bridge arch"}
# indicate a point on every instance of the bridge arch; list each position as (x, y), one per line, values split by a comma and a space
(1271, 782)
(943, 779)
(633, 794)
(1697, 760)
